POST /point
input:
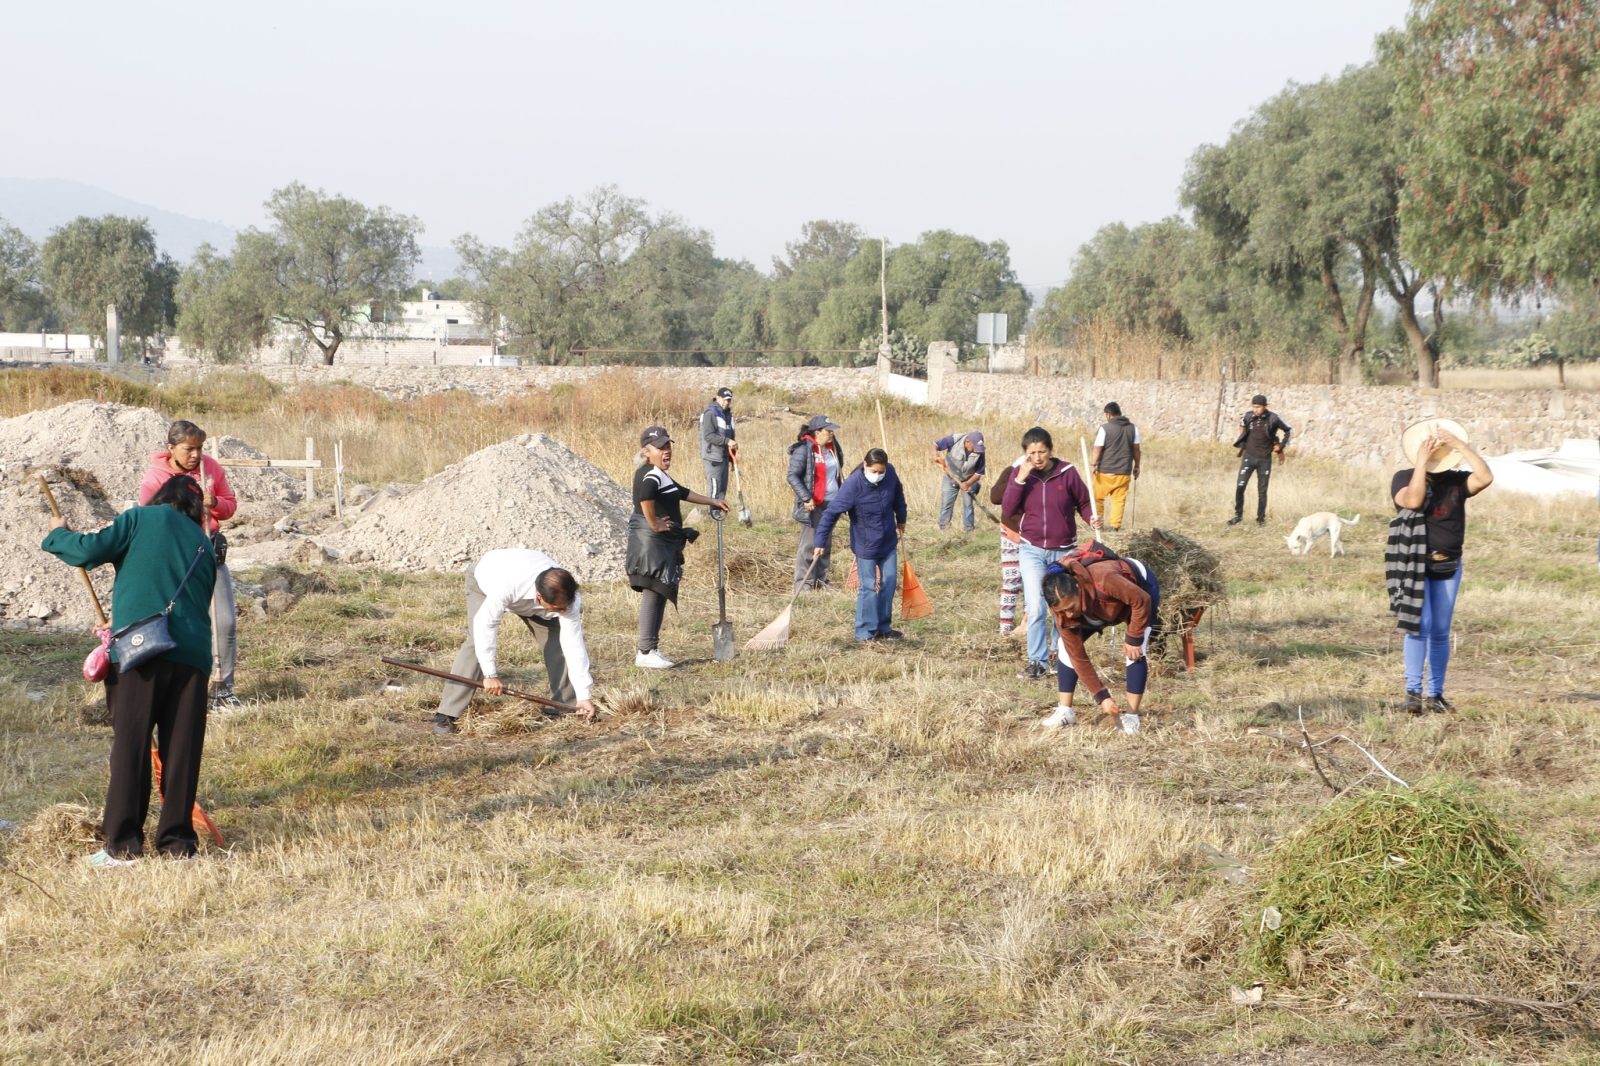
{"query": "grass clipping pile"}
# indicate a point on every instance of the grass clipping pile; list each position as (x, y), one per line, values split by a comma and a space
(531, 491)
(1378, 879)
(1191, 577)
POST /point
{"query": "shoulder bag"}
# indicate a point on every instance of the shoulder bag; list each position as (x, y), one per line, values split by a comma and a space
(139, 641)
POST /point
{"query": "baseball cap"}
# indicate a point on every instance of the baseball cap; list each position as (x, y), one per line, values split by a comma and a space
(655, 437)
(1260, 399)
(975, 439)
(724, 393)
(821, 422)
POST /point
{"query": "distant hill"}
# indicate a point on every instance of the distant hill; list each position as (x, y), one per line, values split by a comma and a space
(38, 205)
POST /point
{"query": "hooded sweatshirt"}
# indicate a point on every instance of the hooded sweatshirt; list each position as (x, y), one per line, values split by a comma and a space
(160, 471)
(1049, 503)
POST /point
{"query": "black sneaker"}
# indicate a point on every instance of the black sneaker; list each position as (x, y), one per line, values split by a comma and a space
(1235, 520)
(891, 634)
(1439, 705)
(1414, 703)
(444, 725)
(1034, 671)
(1261, 521)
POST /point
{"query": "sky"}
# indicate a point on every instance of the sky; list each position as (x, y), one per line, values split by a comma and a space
(1035, 123)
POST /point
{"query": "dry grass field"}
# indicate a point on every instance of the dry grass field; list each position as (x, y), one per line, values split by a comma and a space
(834, 853)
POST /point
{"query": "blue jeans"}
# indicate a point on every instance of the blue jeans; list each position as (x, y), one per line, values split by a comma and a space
(1432, 645)
(1041, 628)
(948, 491)
(875, 600)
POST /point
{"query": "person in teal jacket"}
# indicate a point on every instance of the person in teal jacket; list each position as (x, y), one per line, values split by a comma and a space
(151, 548)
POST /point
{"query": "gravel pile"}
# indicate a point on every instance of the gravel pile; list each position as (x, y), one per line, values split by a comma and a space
(531, 491)
(94, 456)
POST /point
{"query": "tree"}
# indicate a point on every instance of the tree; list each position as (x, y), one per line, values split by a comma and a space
(597, 272)
(1307, 188)
(326, 262)
(222, 310)
(1502, 171)
(941, 283)
(91, 263)
(1129, 277)
(23, 307)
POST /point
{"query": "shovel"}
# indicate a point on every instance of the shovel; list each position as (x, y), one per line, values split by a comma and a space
(722, 631)
(738, 480)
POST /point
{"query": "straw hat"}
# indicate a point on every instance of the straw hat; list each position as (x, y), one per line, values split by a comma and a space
(1444, 458)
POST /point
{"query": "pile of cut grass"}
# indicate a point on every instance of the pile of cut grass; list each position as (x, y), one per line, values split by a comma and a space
(1380, 878)
(1190, 574)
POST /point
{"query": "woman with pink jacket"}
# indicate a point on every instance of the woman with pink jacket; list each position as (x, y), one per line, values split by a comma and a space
(183, 456)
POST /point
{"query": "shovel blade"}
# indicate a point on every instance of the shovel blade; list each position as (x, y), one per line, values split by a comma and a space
(745, 517)
(722, 648)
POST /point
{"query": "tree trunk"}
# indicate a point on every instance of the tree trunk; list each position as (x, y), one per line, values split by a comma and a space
(328, 351)
(1418, 342)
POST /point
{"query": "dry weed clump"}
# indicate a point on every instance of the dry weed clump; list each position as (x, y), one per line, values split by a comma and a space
(1191, 576)
(1377, 879)
(60, 830)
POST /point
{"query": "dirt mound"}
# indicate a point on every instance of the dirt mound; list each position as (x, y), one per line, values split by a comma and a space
(94, 456)
(530, 491)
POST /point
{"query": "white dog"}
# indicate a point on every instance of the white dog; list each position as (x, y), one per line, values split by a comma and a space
(1315, 526)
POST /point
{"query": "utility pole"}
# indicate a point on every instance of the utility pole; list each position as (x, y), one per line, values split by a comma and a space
(883, 292)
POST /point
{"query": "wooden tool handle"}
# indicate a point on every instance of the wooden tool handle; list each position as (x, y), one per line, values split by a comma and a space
(94, 597)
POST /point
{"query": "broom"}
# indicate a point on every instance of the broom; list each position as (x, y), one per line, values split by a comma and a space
(776, 635)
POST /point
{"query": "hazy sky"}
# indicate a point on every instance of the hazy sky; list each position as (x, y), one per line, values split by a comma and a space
(1032, 122)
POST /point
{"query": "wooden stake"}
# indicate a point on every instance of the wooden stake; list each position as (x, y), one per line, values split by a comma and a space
(311, 455)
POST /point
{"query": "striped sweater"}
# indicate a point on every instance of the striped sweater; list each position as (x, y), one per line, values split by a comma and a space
(1405, 568)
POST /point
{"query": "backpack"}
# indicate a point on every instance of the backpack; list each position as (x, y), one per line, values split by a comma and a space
(1080, 563)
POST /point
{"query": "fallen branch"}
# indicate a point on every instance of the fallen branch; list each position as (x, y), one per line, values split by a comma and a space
(1369, 756)
(35, 884)
(1486, 1000)
(1311, 749)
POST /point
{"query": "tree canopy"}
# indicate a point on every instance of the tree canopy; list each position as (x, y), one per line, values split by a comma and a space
(91, 263)
(1502, 165)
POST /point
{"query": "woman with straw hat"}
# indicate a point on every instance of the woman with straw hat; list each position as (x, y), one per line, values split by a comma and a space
(1422, 561)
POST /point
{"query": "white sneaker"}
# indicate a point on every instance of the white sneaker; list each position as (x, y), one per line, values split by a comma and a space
(653, 660)
(1059, 717)
(1128, 723)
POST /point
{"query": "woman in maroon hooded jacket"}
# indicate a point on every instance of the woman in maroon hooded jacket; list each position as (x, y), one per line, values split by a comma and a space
(1048, 495)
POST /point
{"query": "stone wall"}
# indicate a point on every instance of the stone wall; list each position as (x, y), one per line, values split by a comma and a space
(493, 382)
(1359, 424)
(1356, 423)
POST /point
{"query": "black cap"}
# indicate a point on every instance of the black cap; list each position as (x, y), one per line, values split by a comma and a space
(724, 393)
(1260, 399)
(655, 437)
(820, 422)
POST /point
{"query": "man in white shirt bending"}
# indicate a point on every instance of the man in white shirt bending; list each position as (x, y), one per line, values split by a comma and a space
(531, 586)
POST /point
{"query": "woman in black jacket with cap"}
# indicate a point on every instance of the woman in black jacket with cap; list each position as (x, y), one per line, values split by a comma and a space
(816, 469)
(655, 541)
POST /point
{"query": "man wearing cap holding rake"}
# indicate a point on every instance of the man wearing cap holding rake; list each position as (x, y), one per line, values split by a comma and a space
(961, 457)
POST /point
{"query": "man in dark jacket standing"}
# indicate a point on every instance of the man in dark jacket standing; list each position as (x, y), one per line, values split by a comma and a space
(1258, 441)
(717, 443)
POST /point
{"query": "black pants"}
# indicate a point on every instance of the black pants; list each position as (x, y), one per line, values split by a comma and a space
(652, 612)
(169, 698)
(1263, 471)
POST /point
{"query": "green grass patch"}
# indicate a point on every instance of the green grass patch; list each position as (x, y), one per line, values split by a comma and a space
(1399, 871)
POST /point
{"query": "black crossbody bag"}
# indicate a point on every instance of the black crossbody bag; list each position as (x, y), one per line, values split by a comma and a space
(148, 637)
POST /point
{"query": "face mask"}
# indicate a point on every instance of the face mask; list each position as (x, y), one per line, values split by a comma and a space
(872, 479)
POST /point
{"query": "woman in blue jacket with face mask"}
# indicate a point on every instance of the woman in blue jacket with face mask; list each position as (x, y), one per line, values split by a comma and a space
(876, 503)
